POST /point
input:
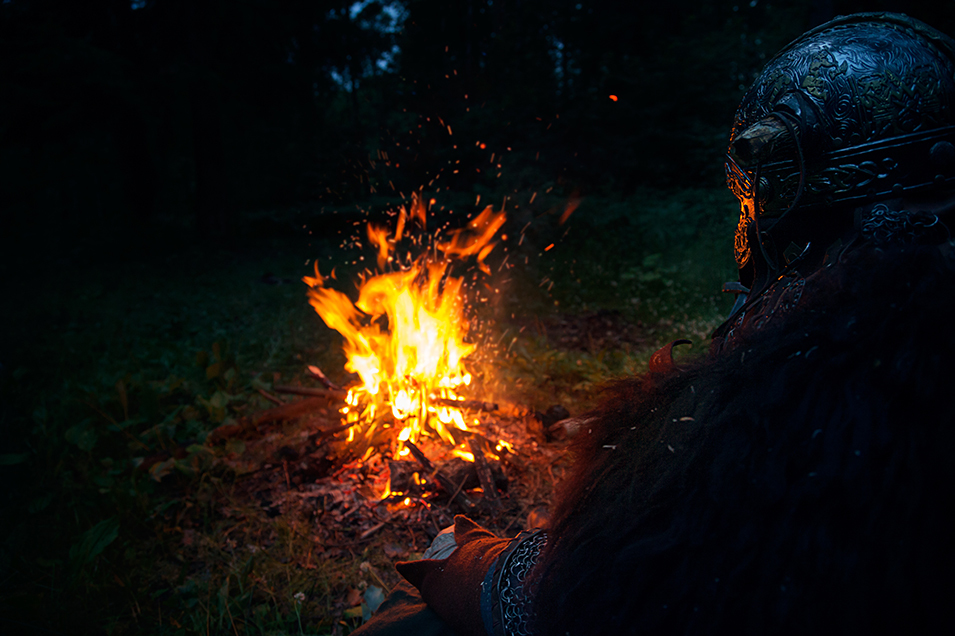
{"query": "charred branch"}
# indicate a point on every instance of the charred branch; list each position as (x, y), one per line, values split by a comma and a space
(442, 478)
(289, 411)
(285, 412)
(484, 473)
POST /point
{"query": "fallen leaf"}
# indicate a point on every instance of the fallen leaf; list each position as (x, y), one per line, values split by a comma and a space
(392, 551)
(374, 597)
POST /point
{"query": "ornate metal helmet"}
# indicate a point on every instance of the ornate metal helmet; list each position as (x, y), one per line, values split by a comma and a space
(843, 131)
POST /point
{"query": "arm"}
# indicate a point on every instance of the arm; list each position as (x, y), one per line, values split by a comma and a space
(485, 586)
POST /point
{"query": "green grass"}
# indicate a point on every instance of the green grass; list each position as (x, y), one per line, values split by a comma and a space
(119, 359)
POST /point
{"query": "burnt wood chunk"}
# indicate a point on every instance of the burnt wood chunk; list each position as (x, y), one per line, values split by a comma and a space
(402, 476)
(484, 473)
(454, 489)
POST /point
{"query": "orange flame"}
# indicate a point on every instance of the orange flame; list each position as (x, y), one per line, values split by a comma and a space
(412, 369)
(463, 454)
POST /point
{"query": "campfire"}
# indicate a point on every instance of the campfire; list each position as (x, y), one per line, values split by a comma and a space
(413, 439)
(407, 339)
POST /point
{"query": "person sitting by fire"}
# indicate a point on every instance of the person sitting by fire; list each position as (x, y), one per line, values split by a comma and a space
(799, 479)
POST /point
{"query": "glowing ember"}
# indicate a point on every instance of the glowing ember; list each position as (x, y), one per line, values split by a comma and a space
(411, 368)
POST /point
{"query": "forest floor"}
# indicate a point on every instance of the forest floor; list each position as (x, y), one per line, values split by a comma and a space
(124, 513)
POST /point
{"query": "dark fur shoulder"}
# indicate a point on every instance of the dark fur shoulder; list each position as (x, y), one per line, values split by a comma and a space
(801, 482)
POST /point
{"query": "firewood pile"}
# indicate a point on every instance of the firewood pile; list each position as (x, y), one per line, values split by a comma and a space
(293, 463)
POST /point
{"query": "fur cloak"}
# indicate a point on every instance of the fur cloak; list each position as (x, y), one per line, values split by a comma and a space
(799, 482)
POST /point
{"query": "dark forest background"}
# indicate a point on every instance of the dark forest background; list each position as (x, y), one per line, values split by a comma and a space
(131, 115)
(169, 170)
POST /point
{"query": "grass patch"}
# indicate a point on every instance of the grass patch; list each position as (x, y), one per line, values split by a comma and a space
(649, 267)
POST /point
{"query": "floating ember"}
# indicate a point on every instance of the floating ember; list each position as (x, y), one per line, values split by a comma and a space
(407, 335)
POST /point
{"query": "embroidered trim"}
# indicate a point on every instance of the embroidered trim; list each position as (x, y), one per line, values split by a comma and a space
(506, 592)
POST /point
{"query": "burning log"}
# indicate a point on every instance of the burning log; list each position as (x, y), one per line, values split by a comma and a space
(472, 405)
(406, 334)
(450, 486)
(328, 432)
(458, 469)
(454, 475)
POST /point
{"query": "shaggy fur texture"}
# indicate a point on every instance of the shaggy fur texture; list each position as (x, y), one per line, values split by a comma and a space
(801, 482)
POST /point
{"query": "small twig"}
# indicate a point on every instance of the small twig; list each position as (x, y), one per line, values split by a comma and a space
(132, 438)
(372, 571)
(231, 620)
(97, 409)
(319, 375)
(308, 559)
(302, 390)
(372, 530)
(271, 398)
(460, 486)
(414, 538)
(433, 521)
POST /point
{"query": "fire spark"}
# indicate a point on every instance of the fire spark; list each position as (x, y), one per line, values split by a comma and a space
(411, 364)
